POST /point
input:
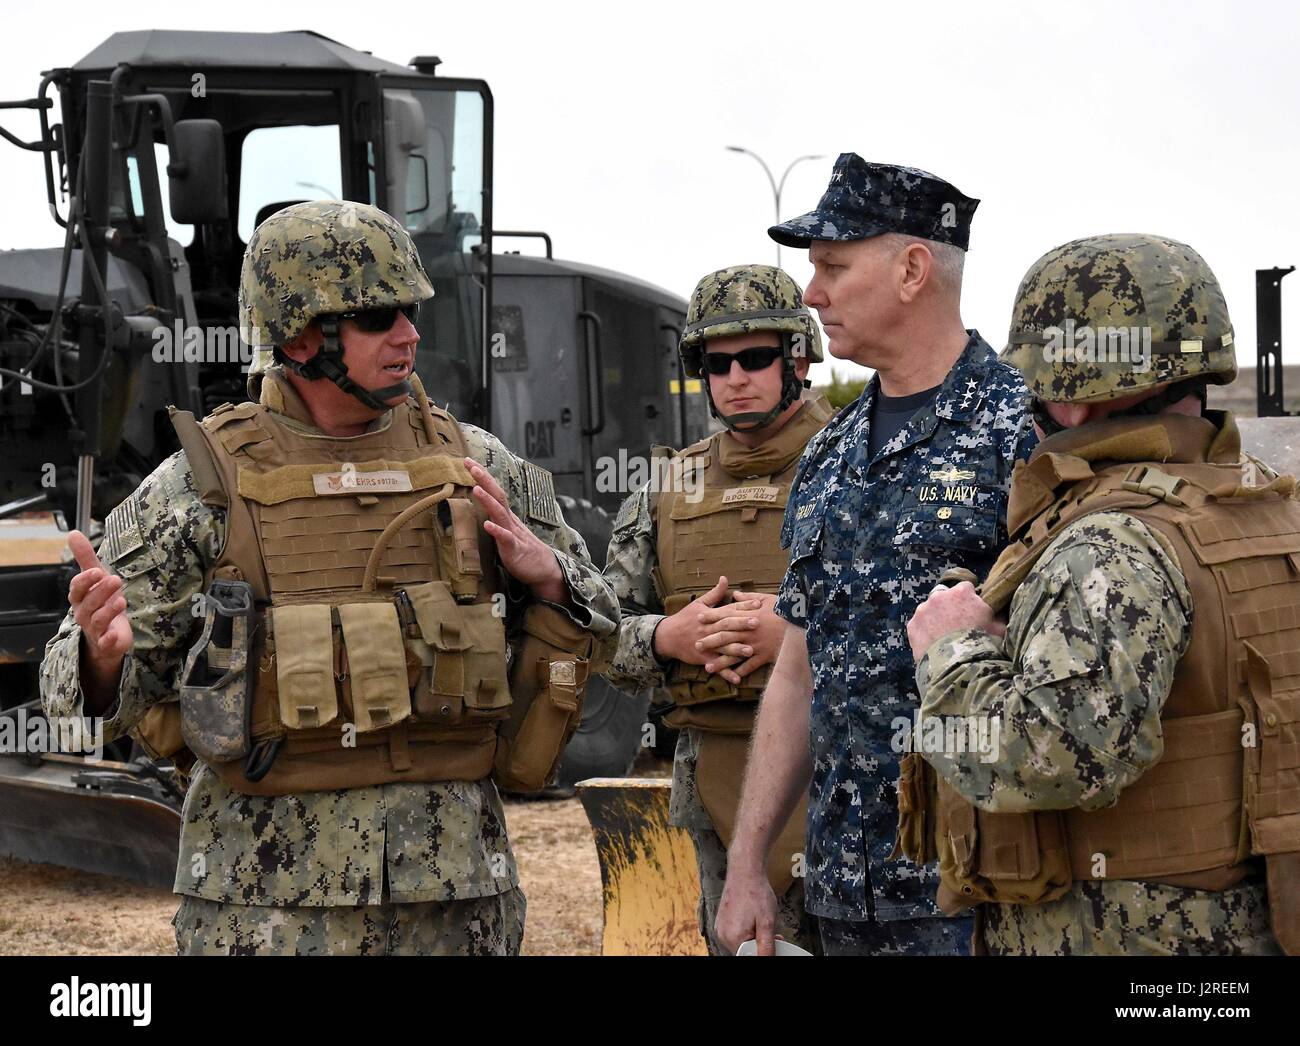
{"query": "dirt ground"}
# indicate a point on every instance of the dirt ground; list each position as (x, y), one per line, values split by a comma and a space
(48, 910)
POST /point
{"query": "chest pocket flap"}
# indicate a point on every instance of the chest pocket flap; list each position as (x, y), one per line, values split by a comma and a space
(806, 539)
(947, 526)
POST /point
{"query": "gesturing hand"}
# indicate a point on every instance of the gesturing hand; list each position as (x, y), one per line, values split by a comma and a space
(525, 556)
(99, 607)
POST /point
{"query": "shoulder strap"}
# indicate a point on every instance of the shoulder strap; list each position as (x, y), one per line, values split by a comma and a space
(1128, 487)
(696, 449)
(677, 465)
(211, 454)
(198, 452)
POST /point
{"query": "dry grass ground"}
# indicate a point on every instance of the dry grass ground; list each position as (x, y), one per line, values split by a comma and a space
(48, 910)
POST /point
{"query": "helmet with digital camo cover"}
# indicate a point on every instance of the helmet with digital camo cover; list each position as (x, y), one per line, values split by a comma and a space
(1106, 317)
(318, 261)
(740, 300)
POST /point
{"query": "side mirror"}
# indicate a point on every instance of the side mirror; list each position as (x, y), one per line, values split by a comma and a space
(196, 175)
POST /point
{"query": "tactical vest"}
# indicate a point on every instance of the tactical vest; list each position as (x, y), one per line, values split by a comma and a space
(373, 649)
(1228, 784)
(720, 513)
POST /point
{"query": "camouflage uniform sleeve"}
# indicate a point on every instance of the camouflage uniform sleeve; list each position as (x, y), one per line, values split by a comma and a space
(1071, 696)
(629, 568)
(160, 541)
(532, 498)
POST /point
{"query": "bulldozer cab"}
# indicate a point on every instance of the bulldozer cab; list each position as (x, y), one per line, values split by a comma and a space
(300, 117)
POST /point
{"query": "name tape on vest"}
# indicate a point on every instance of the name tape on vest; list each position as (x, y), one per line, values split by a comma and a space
(734, 494)
(392, 481)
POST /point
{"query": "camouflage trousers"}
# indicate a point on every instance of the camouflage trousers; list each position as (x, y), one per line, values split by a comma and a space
(936, 936)
(477, 926)
(1132, 918)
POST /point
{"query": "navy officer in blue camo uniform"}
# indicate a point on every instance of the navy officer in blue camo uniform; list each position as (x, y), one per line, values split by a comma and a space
(907, 482)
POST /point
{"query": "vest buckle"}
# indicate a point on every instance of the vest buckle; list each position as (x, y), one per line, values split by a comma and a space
(1142, 479)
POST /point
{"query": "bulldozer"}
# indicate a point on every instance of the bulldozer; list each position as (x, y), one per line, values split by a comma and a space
(162, 153)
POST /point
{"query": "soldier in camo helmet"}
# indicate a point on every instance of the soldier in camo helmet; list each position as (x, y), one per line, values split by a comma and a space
(1123, 645)
(300, 842)
(695, 558)
(323, 260)
(740, 300)
(1111, 317)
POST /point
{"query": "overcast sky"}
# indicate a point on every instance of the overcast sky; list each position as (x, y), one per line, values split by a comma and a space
(1066, 120)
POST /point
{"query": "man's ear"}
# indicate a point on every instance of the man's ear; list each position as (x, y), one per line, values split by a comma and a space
(915, 265)
(802, 365)
(303, 347)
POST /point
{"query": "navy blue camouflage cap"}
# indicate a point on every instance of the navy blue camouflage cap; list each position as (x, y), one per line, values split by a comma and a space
(866, 199)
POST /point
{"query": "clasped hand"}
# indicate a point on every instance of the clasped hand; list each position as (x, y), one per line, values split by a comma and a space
(730, 639)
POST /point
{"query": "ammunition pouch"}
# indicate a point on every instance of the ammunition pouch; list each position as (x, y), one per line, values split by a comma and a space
(463, 656)
(547, 681)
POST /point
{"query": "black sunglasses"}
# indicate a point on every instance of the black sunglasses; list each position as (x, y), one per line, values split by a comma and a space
(758, 358)
(375, 321)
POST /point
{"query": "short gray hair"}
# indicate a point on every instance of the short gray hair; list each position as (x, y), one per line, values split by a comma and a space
(949, 261)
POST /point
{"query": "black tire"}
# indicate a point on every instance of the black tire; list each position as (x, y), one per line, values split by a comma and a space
(608, 739)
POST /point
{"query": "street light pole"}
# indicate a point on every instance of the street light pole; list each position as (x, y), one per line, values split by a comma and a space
(776, 186)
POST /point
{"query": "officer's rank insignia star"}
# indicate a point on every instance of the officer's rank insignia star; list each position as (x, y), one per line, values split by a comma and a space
(952, 474)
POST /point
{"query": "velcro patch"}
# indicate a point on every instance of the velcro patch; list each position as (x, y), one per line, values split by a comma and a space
(754, 493)
(350, 481)
(628, 512)
(540, 491)
(121, 532)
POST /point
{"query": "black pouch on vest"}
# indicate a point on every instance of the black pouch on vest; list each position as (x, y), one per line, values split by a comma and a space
(216, 688)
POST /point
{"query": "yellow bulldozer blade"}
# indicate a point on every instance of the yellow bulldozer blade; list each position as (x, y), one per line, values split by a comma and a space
(647, 868)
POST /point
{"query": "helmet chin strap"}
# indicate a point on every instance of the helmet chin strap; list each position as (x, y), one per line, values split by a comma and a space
(328, 363)
(751, 420)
